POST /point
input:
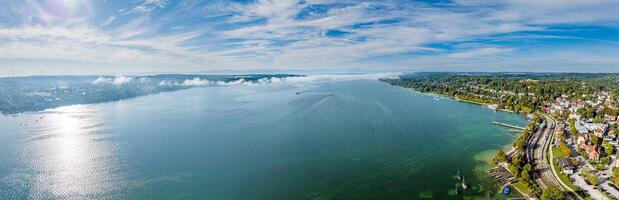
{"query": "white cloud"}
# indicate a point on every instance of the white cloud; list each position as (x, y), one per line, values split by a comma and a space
(489, 51)
(147, 5)
(417, 25)
(340, 77)
(196, 82)
(87, 44)
(102, 80)
(108, 21)
(118, 80)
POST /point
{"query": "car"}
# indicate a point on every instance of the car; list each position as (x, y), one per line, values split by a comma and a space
(506, 190)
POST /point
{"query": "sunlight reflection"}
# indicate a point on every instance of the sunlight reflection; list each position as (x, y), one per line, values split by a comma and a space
(73, 163)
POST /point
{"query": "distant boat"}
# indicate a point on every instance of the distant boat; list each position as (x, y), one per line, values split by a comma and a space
(435, 98)
(297, 93)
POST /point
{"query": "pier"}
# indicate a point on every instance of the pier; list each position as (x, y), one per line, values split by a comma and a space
(508, 125)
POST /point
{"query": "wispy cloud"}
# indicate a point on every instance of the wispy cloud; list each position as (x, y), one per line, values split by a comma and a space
(147, 6)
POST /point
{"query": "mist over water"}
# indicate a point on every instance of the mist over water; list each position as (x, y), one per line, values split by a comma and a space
(336, 139)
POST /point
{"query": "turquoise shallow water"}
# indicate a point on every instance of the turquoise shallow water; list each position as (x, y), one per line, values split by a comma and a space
(360, 139)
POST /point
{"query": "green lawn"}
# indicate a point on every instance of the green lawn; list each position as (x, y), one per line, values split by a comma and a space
(521, 187)
(556, 153)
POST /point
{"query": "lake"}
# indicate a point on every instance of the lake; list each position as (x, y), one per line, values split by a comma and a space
(338, 139)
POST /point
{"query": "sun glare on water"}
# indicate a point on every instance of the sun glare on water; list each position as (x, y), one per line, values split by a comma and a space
(71, 161)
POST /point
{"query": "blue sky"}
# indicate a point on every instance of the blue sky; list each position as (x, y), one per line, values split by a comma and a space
(153, 36)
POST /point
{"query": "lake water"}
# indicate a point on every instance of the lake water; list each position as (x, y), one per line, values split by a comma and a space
(354, 139)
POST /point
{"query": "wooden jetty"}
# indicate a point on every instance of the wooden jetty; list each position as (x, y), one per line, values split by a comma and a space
(508, 125)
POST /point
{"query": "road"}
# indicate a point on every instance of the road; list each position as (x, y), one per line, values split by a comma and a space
(580, 182)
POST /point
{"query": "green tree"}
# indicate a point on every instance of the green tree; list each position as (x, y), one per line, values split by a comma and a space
(609, 149)
(598, 120)
(573, 130)
(565, 149)
(592, 178)
(615, 178)
(552, 194)
(595, 140)
(499, 157)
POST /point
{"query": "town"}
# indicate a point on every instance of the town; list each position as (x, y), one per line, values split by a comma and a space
(569, 149)
(581, 149)
(585, 143)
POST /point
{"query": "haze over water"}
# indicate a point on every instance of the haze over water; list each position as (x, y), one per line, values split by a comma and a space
(354, 139)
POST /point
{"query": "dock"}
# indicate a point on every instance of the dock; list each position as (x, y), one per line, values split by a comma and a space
(502, 175)
(508, 125)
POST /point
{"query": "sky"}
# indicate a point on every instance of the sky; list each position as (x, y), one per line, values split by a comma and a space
(161, 36)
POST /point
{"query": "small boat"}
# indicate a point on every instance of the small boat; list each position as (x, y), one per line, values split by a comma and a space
(464, 186)
(435, 98)
(459, 176)
(297, 93)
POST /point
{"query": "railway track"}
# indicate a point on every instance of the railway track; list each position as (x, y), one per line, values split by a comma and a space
(537, 151)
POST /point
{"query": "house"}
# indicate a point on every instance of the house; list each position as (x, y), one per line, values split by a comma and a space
(610, 117)
(566, 165)
(582, 138)
(593, 151)
(594, 155)
(580, 126)
(593, 126)
(598, 132)
(616, 159)
(560, 130)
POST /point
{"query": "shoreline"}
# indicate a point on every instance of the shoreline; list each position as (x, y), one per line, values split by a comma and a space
(432, 94)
